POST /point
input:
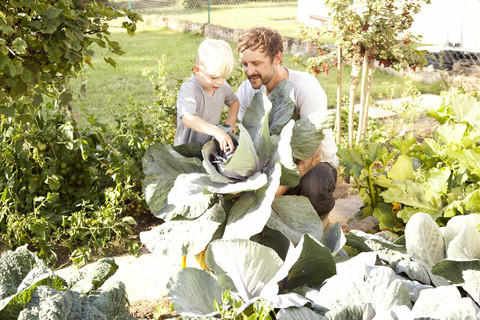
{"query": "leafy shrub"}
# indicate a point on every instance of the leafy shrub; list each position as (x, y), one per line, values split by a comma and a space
(438, 176)
(44, 43)
(58, 185)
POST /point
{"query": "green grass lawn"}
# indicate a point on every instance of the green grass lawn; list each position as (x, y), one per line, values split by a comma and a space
(128, 83)
(281, 15)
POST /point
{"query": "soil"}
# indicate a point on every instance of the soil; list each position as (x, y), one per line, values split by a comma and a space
(144, 309)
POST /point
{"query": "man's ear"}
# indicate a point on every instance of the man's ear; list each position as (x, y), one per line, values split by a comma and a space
(196, 69)
(278, 58)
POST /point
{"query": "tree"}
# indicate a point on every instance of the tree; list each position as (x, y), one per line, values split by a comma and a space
(367, 31)
(45, 43)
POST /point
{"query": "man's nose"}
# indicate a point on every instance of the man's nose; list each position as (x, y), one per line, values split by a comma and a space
(248, 70)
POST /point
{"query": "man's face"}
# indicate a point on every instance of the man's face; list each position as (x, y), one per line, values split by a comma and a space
(258, 67)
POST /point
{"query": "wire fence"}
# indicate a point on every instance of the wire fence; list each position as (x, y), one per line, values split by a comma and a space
(235, 14)
(279, 14)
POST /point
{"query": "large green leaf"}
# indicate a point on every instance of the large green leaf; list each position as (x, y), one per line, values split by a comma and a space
(249, 265)
(90, 279)
(352, 311)
(294, 216)
(187, 196)
(376, 286)
(365, 242)
(283, 105)
(444, 302)
(109, 302)
(465, 108)
(402, 169)
(455, 225)
(302, 313)
(308, 133)
(253, 183)
(453, 270)
(465, 273)
(245, 161)
(451, 133)
(472, 202)
(193, 292)
(470, 158)
(178, 238)
(466, 245)
(424, 240)
(251, 211)
(411, 194)
(161, 166)
(333, 238)
(256, 117)
(314, 265)
(281, 152)
(207, 152)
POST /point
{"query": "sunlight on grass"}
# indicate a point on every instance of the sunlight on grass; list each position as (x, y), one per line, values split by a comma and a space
(128, 83)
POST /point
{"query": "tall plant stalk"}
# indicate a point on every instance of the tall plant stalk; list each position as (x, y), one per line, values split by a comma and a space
(338, 122)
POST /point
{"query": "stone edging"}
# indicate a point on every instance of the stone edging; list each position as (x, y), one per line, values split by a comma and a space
(291, 45)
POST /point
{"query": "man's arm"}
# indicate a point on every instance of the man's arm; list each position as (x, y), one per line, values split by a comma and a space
(303, 167)
(232, 116)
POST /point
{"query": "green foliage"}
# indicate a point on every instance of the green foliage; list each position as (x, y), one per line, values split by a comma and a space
(69, 189)
(165, 114)
(438, 176)
(231, 308)
(44, 43)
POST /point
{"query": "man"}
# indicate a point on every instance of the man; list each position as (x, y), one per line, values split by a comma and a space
(260, 50)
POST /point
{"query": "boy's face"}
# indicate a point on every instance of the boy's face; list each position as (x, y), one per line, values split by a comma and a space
(209, 83)
(258, 66)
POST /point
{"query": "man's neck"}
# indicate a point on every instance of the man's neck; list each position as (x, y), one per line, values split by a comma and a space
(281, 73)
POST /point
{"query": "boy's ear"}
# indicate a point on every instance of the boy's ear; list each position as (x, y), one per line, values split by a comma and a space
(196, 69)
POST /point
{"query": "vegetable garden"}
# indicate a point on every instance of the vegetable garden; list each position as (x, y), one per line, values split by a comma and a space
(78, 191)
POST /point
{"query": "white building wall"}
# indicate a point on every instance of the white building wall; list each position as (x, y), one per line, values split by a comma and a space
(443, 22)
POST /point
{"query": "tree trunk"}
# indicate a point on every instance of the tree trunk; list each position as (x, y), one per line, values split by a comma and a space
(362, 96)
(351, 107)
(339, 95)
(371, 69)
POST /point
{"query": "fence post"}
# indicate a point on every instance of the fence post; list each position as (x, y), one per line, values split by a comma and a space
(129, 5)
(208, 12)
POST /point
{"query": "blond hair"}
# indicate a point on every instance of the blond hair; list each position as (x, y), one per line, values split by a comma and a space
(216, 57)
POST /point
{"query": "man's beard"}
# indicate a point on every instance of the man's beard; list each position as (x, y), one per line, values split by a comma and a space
(263, 80)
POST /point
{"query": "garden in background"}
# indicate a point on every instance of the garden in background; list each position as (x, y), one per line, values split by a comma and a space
(88, 115)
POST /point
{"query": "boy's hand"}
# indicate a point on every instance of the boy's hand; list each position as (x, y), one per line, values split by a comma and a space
(226, 143)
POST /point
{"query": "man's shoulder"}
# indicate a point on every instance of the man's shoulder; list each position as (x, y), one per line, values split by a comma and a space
(296, 76)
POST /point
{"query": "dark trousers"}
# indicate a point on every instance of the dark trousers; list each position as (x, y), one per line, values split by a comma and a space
(318, 186)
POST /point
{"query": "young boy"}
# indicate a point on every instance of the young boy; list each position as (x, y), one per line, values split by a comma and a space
(202, 97)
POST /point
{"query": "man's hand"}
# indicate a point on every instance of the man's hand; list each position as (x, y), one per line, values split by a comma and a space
(232, 124)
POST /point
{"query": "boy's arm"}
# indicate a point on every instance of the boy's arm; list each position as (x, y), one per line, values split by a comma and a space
(196, 123)
(232, 115)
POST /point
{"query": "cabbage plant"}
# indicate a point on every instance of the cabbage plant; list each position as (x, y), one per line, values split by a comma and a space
(30, 290)
(211, 197)
(430, 273)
